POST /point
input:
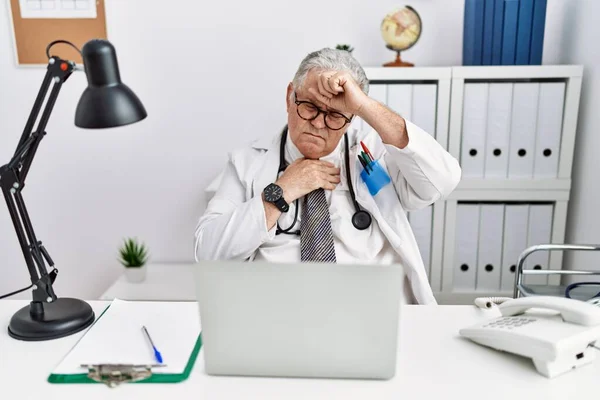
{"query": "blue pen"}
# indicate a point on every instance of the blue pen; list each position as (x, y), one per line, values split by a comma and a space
(156, 352)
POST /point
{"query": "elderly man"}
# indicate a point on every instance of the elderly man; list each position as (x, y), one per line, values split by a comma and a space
(300, 196)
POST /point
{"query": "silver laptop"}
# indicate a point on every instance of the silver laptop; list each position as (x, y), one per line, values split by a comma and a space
(299, 320)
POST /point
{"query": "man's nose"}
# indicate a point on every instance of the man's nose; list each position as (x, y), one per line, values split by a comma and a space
(319, 122)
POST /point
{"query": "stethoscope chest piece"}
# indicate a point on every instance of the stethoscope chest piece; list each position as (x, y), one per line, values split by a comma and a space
(361, 220)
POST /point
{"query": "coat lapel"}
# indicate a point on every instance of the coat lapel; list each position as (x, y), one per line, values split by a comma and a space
(265, 172)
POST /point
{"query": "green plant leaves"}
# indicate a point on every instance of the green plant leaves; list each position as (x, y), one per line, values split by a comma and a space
(133, 254)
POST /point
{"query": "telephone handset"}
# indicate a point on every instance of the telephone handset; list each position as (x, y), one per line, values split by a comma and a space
(556, 332)
(574, 311)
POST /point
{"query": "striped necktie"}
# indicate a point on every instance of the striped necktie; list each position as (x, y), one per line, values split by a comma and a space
(316, 236)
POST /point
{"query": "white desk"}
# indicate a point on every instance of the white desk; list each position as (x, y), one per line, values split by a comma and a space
(433, 363)
(164, 282)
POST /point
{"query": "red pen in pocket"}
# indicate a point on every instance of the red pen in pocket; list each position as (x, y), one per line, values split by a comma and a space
(367, 151)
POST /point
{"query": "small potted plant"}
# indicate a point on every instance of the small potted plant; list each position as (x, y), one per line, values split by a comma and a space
(133, 256)
(346, 47)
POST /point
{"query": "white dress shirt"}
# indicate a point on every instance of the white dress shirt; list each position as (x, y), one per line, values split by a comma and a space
(352, 246)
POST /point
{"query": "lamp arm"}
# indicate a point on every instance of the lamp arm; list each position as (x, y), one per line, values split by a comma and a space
(12, 182)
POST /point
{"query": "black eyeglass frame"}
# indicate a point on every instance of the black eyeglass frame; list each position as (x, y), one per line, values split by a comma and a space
(319, 112)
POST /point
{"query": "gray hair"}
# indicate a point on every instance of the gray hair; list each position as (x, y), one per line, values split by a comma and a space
(326, 59)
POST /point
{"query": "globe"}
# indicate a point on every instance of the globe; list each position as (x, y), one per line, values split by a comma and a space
(401, 29)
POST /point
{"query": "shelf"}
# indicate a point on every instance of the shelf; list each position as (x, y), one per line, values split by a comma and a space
(401, 74)
(505, 195)
(515, 184)
(517, 72)
(512, 190)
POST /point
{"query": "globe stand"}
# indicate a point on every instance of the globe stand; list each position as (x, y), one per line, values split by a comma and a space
(398, 62)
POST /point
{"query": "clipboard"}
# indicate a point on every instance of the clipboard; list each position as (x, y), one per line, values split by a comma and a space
(114, 350)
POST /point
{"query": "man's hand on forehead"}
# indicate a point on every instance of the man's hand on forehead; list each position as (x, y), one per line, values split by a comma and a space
(334, 90)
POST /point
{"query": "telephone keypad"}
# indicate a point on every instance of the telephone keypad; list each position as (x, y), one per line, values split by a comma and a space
(509, 322)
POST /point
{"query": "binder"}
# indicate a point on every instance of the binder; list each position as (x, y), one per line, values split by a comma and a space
(537, 32)
(465, 254)
(498, 32)
(116, 339)
(400, 99)
(489, 258)
(549, 129)
(514, 242)
(468, 32)
(421, 222)
(524, 32)
(539, 232)
(509, 31)
(498, 130)
(523, 130)
(424, 102)
(474, 130)
(473, 32)
(488, 32)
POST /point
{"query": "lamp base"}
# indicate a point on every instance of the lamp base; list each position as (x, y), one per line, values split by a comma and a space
(45, 321)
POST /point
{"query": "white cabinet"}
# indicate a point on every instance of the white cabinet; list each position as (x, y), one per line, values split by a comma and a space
(513, 130)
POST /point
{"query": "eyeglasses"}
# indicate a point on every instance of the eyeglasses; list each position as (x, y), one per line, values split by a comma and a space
(308, 111)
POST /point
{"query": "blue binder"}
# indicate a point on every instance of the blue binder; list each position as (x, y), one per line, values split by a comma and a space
(537, 32)
(473, 32)
(524, 32)
(509, 37)
(498, 32)
(488, 31)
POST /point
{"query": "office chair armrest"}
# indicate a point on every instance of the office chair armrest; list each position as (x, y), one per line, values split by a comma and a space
(549, 247)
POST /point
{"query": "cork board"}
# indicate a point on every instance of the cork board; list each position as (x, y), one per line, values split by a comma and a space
(32, 35)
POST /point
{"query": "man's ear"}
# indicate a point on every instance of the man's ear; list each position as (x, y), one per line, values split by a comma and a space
(288, 102)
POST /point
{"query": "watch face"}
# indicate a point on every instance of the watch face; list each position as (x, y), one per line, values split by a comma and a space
(273, 193)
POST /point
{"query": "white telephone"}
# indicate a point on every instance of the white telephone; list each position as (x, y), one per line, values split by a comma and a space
(556, 341)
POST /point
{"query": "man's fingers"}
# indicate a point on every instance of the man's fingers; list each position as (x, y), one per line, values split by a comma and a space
(324, 163)
(329, 83)
(323, 99)
(329, 186)
(328, 168)
(322, 90)
(321, 163)
(331, 170)
(333, 178)
(337, 83)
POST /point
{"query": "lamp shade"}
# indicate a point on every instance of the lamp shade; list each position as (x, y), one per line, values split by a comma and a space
(106, 102)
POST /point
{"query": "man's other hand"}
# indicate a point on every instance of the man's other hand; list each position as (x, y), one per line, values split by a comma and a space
(304, 176)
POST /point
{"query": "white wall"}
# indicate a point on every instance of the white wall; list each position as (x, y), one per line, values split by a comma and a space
(212, 76)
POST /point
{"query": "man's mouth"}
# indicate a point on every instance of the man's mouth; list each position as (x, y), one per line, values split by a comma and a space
(315, 135)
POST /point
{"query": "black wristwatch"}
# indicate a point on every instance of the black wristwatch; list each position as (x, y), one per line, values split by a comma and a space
(274, 194)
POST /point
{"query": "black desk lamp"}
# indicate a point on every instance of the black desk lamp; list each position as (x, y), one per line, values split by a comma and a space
(105, 103)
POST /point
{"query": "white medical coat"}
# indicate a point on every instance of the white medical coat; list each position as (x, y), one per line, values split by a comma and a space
(421, 173)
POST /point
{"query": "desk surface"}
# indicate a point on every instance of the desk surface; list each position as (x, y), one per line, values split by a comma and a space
(164, 282)
(433, 362)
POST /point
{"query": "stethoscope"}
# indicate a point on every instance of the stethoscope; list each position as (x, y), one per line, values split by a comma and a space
(361, 218)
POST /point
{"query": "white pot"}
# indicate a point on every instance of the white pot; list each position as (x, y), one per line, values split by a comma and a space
(135, 274)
